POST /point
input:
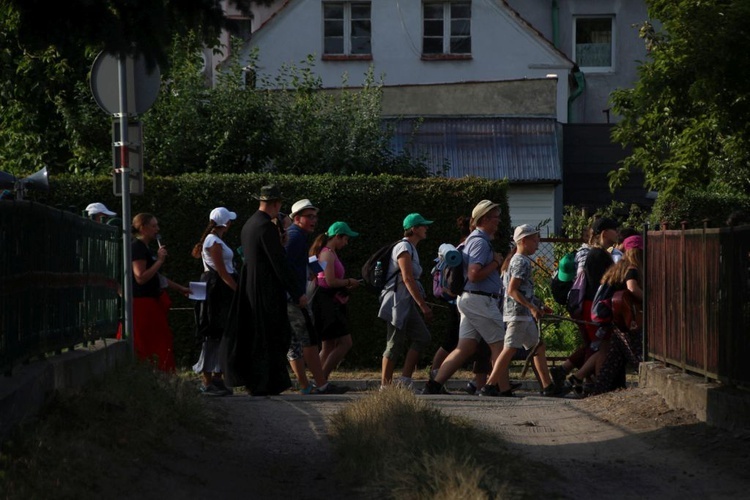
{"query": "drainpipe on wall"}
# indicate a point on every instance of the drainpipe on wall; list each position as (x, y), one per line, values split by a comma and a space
(555, 24)
(578, 77)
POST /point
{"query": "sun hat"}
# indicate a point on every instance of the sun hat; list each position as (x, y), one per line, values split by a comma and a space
(523, 231)
(339, 227)
(633, 242)
(302, 205)
(482, 209)
(566, 270)
(221, 216)
(413, 220)
(99, 208)
(269, 193)
(604, 223)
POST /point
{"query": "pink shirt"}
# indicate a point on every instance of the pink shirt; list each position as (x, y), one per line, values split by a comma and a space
(338, 269)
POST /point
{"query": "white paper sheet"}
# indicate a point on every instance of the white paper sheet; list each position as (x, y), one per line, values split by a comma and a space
(197, 290)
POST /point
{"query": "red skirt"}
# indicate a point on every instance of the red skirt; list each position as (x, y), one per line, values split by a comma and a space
(152, 336)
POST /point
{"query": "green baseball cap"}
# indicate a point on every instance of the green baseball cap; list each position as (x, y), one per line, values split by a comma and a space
(341, 228)
(566, 270)
(413, 220)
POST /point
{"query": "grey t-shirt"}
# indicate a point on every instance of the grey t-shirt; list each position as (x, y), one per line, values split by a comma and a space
(520, 267)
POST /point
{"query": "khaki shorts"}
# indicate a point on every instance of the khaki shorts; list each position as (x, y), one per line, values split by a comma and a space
(521, 334)
(480, 318)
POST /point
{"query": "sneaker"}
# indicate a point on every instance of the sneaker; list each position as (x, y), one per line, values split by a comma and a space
(575, 384)
(432, 387)
(558, 375)
(470, 388)
(555, 391)
(211, 390)
(307, 390)
(515, 386)
(492, 390)
(330, 388)
(219, 384)
(406, 382)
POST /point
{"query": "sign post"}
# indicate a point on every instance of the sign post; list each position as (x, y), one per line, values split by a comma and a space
(123, 87)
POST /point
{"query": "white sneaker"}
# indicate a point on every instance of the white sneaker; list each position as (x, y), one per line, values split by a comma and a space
(404, 382)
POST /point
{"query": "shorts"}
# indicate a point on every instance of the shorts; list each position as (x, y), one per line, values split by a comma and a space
(480, 318)
(521, 334)
(414, 329)
(303, 333)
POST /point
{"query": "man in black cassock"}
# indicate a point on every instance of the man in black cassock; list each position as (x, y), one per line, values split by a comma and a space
(258, 336)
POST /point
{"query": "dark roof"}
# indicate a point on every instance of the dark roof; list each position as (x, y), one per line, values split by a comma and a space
(519, 149)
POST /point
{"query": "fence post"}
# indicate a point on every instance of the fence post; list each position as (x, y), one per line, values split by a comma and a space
(644, 279)
(705, 301)
(683, 299)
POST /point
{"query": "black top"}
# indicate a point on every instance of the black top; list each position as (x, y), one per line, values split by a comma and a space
(141, 252)
(597, 262)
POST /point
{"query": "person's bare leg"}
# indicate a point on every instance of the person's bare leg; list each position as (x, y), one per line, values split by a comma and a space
(341, 347)
(499, 375)
(298, 367)
(410, 363)
(386, 375)
(454, 361)
(542, 370)
(312, 360)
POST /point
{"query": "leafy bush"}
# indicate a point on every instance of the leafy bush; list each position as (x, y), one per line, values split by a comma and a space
(693, 207)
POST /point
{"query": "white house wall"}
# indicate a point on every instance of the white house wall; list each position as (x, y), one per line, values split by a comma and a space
(629, 49)
(533, 204)
(502, 48)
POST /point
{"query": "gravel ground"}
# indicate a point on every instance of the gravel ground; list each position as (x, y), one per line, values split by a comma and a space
(626, 444)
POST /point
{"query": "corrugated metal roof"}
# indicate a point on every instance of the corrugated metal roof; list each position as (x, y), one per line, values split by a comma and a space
(519, 149)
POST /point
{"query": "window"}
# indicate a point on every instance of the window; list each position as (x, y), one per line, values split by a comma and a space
(447, 28)
(593, 49)
(346, 29)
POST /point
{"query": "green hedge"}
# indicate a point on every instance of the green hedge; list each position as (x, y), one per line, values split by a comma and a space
(373, 205)
(694, 207)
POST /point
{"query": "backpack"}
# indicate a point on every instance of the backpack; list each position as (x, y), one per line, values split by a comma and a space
(574, 302)
(601, 309)
(375, 271)
(455, 279)
(439, 274)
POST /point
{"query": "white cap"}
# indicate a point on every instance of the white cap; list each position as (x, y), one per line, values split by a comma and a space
(523, 231)
(221, 216)
(302, 205)
(99, 208)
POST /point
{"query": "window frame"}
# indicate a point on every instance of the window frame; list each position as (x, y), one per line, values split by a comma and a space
(347, 32)
(447, 36)
(613, 39)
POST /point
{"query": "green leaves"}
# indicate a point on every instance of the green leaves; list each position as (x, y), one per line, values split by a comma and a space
(686, 117)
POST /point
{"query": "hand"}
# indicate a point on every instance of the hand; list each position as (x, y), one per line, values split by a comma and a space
(352, 284)
(427, 312)
(162, 253)
(537, 312)
(184, 290)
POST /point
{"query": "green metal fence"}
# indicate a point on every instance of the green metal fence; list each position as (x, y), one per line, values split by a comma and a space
(59, 281)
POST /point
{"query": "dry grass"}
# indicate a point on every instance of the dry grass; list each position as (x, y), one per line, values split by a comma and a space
(124, 417)
(394, 445)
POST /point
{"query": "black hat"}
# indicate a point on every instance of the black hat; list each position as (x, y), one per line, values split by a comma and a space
(601, 225)
(269, 193)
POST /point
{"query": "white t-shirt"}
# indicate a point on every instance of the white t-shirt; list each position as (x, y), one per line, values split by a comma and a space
(226, 254)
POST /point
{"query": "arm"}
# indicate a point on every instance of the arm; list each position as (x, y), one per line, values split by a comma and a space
(143, 275)
(217, 256)
(514, 291)
(330, 272)
(478, 272)
(404, 264)
(176, 286)
(634, 288)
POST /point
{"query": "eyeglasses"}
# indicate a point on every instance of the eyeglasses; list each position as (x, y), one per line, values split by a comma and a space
(310, 216)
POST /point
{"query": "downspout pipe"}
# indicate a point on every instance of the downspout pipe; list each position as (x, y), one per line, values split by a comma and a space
(556, 24)
(580, 81)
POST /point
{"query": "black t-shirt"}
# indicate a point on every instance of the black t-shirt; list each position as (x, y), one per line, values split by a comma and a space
(597, 262)
(151, 288)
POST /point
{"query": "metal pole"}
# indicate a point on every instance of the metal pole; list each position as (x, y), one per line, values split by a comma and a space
(127, 257)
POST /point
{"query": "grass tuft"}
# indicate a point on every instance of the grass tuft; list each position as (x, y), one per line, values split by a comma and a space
(122, 418)
(395, 445)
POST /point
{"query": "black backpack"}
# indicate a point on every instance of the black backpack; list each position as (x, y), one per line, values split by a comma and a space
(375, 271)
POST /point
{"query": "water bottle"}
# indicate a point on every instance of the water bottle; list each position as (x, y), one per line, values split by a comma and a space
(377, 278)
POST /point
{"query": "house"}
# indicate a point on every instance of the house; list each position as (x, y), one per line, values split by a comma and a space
(494, 81)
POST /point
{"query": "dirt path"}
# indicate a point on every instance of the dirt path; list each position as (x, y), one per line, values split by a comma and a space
(621, 445)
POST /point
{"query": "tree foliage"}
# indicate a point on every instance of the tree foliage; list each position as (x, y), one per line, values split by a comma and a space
(688, 117)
